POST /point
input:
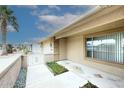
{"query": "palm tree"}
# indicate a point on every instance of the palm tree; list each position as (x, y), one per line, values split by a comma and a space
(6, 18)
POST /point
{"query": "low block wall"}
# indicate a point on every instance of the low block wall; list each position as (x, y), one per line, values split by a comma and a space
(24, 61)
(51, 57)
(10, 71)
(48, 57)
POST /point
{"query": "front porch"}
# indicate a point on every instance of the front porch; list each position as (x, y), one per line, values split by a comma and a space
(99, 78)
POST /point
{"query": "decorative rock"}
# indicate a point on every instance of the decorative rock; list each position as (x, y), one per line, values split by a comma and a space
(21, 81)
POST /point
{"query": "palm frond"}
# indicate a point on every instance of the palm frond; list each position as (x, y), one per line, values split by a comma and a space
(14, 23)
(7, 14)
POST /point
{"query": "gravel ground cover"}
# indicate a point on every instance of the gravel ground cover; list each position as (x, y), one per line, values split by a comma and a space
(21, 80)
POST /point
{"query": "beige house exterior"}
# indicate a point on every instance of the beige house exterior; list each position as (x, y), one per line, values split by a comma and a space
(70, 42)
(50, 49)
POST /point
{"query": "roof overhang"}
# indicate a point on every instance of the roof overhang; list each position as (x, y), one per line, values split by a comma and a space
(100, 20)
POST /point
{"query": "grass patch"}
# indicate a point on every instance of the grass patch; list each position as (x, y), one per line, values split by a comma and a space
(89, 85)
(56, 68)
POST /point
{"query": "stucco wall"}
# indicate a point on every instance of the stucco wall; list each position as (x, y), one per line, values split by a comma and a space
(111, 68)
(9, 76)
(48, 57)
(48, 46)
(51, 50)
(24, 61)
(51, 57)
(76, 53)
(75, 48)
(56, 46)
(62, 49)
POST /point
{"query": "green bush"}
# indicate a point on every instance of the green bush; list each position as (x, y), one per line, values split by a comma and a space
(56, 68)
(89, 85)
(9, 48)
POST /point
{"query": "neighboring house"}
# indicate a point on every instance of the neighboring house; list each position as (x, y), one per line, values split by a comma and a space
(96, 40)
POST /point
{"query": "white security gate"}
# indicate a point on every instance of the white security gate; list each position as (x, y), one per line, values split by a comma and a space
(36, 48)
(36, 57)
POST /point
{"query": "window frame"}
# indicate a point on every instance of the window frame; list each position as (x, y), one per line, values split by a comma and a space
(100, 35)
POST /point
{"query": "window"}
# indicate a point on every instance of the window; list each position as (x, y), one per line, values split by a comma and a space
(108, 47)
(89, 47)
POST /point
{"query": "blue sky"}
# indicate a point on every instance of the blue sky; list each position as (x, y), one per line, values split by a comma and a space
(36, 22)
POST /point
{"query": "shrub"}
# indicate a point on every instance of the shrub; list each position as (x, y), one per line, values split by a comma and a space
(56, 68)
(89, 85)
(9, 48)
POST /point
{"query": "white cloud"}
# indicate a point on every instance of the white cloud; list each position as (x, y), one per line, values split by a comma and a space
(44, 27)
(10, 28)
(82, 8)
(49, 21)
(28, 6)
(35, 39)
(42, 12)
(45, 11)
(58, 20)
(54, 7)
(48, 28)
(34, 13)
(53, 22)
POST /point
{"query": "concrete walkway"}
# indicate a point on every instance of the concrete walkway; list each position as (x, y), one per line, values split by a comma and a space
(99, 78)
(37, 70)
(39, 76)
